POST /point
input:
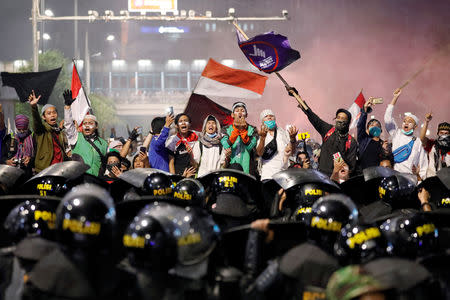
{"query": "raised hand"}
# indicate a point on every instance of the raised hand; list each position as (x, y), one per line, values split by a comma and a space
(169, 120)
(292, 132)
(189, 172)
(263, 131)
(428, 117)
(397, 92)
(68, 100)
(32, 99)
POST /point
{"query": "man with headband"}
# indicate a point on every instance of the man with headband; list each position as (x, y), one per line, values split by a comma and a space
(240, 138)
(49, 137)
(87, 144)
(409, 155)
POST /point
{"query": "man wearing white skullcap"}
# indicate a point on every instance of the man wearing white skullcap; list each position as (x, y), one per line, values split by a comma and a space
(274, 145)
(409, 155)
(86, 144)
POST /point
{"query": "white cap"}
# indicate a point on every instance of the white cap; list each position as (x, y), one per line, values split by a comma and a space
(416, 119)
(90, 117)
(265, 113)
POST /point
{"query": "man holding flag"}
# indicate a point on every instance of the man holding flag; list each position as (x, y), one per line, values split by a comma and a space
(85, 144)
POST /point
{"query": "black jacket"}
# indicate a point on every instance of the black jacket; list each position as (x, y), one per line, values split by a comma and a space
(334, 143)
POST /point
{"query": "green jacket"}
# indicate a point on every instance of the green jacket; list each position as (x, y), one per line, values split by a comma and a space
(240, 152)
(89, 154)
(43, 136)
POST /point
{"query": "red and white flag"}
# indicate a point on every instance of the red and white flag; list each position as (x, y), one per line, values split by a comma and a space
(81, 105)
(223, 81)
(355, 109)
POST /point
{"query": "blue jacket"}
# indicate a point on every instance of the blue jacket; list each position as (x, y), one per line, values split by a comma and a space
(158, 154)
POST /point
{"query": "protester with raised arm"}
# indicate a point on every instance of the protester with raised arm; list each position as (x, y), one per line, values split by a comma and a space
(240, 137)
(406, 148)
(336, 141)
(273, 145)
(158, 154)
(87, 143)
(49, 136)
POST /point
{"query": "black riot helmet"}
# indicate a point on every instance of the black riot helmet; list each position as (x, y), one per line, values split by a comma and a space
(189, 192)
(194, 232)
(301, 198)
(328, 216)
(232, 193)
(86, 220)
(410, 235)
(360, 243)
(50, 186)
(396, 190)
(32, 217)
(157, 184)
(148, 245)
(444, 201)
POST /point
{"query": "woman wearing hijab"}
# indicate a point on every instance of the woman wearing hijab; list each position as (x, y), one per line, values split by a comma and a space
(22, 147)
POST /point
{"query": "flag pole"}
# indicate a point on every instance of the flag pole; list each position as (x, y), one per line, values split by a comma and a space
(425, 65)
(87, 98)
(286, 84)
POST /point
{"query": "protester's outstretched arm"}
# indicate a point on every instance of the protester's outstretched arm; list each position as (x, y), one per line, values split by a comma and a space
(171, 164)
(147, 141)
(69, 126)
(133, 136)
(389, 121)
(262, 140)
(361, 125)
(423, 131)
(37, 120)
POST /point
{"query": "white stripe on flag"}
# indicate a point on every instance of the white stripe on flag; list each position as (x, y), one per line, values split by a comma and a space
(210, 87)
(80, 107)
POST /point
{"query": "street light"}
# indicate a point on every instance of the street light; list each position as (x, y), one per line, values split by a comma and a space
(110, 38)
(46, 36)
(49, 13)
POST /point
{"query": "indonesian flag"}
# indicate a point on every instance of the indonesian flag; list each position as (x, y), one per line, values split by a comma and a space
(355, 109)
(220, 80)
(81, 105)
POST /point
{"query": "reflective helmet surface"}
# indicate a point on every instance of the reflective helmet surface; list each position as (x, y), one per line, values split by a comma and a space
(190, 191)
(328, 216)
(51, 186)
(303, 197)
(410, 235)
(157, 184)
(360, 243)
(194, 231)
(86, 219)
(396, 190)
(148, 245)
(32, 217)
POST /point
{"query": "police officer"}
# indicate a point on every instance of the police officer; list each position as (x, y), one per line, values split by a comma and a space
(86, 236)
(305, 269)
(169, 247)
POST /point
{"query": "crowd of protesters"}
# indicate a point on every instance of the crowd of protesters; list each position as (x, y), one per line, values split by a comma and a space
(238, 211)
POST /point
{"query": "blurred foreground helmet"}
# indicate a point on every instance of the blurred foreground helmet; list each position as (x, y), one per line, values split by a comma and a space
(195, 234)
(190, 192)
(396, 190)
(32, 217)
(410, 235)
(86, 219)
(328, 216)
(360, 243)
(157, 184)
(444, 202)
(148, 245)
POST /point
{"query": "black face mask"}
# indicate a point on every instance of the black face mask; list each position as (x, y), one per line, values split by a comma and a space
(443, 142)
(342, 126)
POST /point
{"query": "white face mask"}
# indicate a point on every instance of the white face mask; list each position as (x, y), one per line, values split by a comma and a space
(88, 126)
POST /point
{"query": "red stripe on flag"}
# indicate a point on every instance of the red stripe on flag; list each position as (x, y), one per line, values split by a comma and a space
(243, 79)
(360, 100)
(76, 82)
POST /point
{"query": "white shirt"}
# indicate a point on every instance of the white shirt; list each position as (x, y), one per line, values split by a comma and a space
(418, 155)
(210, 160)
(432, 161)
(278, 162)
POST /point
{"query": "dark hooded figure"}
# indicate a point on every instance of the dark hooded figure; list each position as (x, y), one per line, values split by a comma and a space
(335, 139)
